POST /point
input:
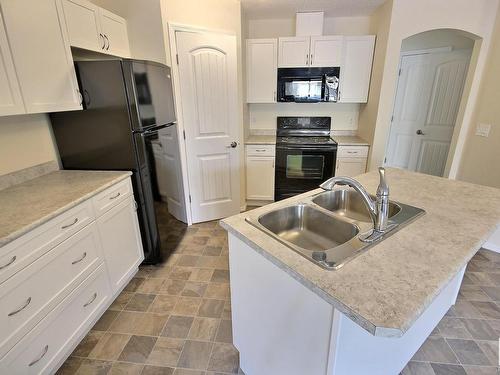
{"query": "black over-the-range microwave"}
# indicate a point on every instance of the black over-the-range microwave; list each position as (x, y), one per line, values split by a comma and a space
(308, 85)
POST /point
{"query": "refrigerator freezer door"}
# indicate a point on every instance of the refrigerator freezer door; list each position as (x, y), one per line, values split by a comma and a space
(153, 95)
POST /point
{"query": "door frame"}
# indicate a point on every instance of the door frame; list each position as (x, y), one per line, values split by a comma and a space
(174, 27)
(452, 155)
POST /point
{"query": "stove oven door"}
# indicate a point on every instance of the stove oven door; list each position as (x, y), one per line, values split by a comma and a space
(302, 168)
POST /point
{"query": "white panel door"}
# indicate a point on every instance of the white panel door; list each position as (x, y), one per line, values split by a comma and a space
(293, 52)
(326, 51)
(82, 22)
(356, 68)
(41, 55)
(171, 155)
(114, 29)
(261, 70)
(11, 101)
(427, 101)
(209, 97)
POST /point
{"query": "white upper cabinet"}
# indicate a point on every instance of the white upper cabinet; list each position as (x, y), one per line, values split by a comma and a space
(355, 71)
(326, 51)
(315, 51)
(83, 24)
(94, 28)
(114, 29)
(41, 56)
(11, 102)
(261, 62)
(294, 52)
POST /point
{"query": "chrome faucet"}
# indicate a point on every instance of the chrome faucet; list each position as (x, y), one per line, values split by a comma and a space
(378, 208)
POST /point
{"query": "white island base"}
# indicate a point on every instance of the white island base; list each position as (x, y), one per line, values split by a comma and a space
(281, 327)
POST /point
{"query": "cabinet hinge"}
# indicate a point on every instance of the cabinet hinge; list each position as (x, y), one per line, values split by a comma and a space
(189, 198)
(177, 58)
(184, 134)
(385, 160)
(399, 73)
(392, 118)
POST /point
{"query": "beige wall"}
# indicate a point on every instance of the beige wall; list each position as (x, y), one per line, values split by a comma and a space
(478, 19)
(379, 26)
(481, 157)
(25, 141)
(436, 39)
(274, 28)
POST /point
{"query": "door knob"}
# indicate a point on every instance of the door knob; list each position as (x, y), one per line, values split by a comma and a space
(420, 132)
(233, 144)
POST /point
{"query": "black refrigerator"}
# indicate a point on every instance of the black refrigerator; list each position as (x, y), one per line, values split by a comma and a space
(126, 103)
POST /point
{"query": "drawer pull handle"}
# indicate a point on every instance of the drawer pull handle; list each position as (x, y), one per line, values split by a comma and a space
(35, 361)
(9, 263)
(70, 225)
(28, 301)
(79, 260)
(91, 300)
(352, 152)
(115, 196)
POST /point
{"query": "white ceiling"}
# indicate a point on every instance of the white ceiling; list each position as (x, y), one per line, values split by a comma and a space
(261, 9)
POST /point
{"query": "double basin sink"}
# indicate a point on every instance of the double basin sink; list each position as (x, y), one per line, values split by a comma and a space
(327, 228)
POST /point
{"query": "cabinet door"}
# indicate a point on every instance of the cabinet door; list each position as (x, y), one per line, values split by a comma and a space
(41, 55)
(260, 178)
(121, 242)
(293, 52)
(355, 72)
(82, 22)
(11, 102)
(114, 29)
(326, 51)
(350, 166)
(262, 65)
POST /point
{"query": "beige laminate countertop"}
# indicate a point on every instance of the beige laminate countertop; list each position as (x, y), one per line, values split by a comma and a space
(350, 140)
(27, 205)
(389, 286)
(261, 140)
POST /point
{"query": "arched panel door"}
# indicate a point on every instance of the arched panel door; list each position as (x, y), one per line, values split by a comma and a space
(209, 99)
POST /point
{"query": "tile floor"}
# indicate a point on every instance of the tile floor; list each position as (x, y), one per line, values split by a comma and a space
(175, 318)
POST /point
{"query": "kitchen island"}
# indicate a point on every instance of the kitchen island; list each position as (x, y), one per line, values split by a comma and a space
(291, 316)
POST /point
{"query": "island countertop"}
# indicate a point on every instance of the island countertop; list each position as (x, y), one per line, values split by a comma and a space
(27, 205)
(388, 287)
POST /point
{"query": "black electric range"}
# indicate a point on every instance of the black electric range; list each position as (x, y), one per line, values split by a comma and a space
(305, 155)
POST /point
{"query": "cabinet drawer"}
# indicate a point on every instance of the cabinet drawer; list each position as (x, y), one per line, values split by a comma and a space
(20, 253)
(41, 350)
(352, 152)
(112, 196)
(261, 150)
(31, 293)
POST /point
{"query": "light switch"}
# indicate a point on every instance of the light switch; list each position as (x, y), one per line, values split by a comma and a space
(483, 130)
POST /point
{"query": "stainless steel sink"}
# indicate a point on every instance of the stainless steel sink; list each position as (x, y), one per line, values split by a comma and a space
(327, 228)
(308, 228)
(348, 203)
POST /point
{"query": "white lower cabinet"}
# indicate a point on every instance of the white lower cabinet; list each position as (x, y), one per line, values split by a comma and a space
(45, 347)
(120, 237)
(351, 160)
(62, 276)
(260, 172)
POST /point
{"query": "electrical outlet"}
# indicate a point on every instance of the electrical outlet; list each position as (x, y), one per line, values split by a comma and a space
(483, 130)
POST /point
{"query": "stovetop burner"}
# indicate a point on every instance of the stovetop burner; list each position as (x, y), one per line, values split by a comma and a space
(306, 140)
